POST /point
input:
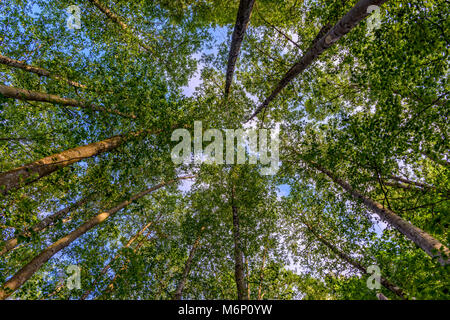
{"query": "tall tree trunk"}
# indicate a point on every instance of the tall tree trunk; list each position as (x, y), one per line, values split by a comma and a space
(381, 296)
(118, 21)
(414, 183)
(406, 184)
(27, 95)
(187, 267)
(248, 278)
(347, 23)
(111, 15)
(57, 289)
(18, 177)
(433, 157)
(238, 255)
(110, 286)
(108, 266)
(242, 20)
(400, 186)
(422, 239)
(261, 276)
(278, 30)
(21, 176)
(34, 265)
(10, 244)
(384, 282)
(39, 71)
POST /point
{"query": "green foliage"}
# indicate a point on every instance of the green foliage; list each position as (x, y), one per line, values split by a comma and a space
(371, 108)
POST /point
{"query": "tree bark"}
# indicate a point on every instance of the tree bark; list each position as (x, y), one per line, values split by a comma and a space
(34, 265)
(409, 182)
(110, 287)
(27, 95)
(422, 239)
(381, 296)
(261, 276)
(238, 255)
(118, 21)
(400, 186)
(279, 31)
(108, 266)
(39, 71)
(18, 177)
(406, 184)
(111, 15)
(384, 282)
(347, 23)
(187, 267)
(242, 20)
(10, 244)
(433, 157)
(248, 278)
(21, 176)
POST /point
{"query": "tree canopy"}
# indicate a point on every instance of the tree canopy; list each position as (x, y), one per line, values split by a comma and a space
(356, 90)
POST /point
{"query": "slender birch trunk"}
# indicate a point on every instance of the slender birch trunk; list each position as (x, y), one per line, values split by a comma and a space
(28, 95)
(406, 184)
(21, 176)
(187, 268)
(413, 183)
(261, 276)
(248, 278)
(344, 26)
(18, 177)
(279, 31)
(426, 242)
(433, 157)
(238, 255)
(384, 282)
(400, 186)
(242, 20)
(110, 287)
(10, 244)
(36, 263)
(111, 15)
(108, 266)
(39, 71)
(381, 296)
(118, 21)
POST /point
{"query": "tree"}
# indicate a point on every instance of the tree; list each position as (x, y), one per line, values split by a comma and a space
(358, 91)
